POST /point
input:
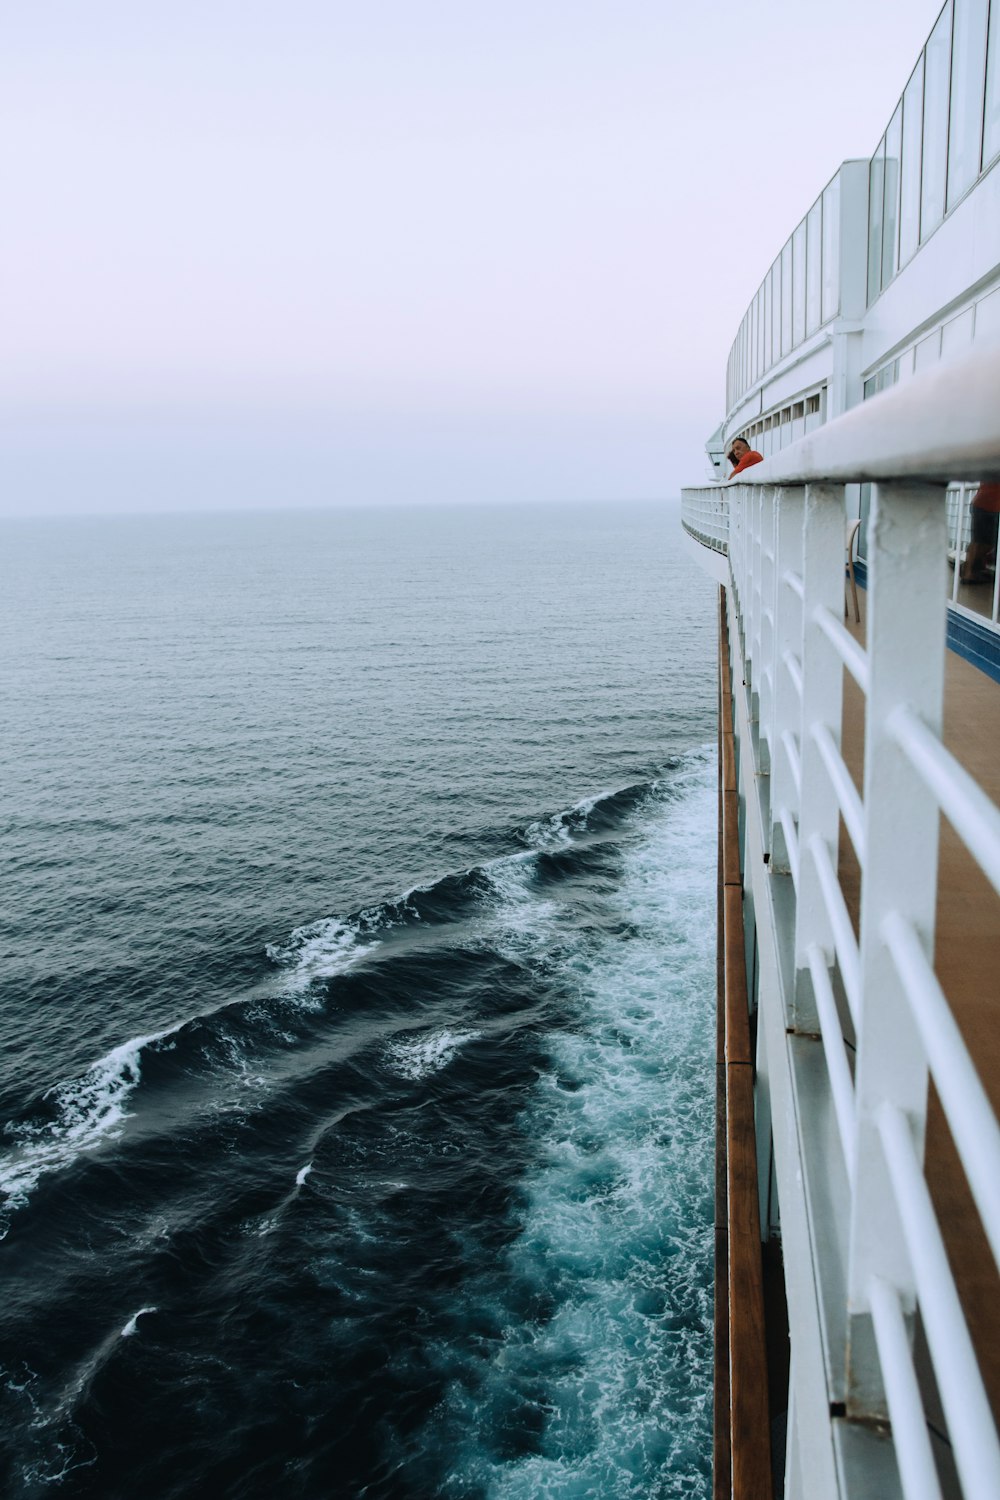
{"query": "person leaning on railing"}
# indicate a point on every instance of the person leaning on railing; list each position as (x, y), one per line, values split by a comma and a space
(985, 517)
(743, 456)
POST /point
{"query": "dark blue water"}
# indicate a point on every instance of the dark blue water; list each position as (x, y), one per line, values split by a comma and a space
(357, 984)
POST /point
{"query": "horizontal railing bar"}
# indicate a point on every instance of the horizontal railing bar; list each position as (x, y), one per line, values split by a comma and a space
(911, 1440)
(791, 844)
(794, 668)
(843, 785)
(853, 655)
(841, 1083)
(844, 940)
(971, 1120)
(966, 806)
(937, 427)
(960, 1385)
(794, 760)
(794, 582)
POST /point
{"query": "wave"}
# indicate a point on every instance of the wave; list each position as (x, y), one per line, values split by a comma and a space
(133, 1322)
(420, 1057)
(319, 951)
(88, 1111)
(498, 901)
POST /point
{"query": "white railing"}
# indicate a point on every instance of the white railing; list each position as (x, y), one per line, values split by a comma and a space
(786, 558)
(705, 515)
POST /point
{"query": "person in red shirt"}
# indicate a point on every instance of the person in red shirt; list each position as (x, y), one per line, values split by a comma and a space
(743, 456)
(984, 516)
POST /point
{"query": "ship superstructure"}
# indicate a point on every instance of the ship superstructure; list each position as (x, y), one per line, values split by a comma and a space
(859, 889)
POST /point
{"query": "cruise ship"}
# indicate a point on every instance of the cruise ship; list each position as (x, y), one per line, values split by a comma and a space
(858, 1158)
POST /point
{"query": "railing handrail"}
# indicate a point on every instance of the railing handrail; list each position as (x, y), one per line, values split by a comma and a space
(937, 427)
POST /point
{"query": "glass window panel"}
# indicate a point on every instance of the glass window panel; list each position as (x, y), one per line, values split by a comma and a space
(758, 361)
(928, 351)
(937, 69)
(786, 298)
(890, 196)
(765, 324)
(831, 250)
(876, 179)
(991, 122)
(775, 312)
(909, 187)
(988, 318)
(956, 336)
(753, 341)
(799, 284)
(968, 65)
(814, 236)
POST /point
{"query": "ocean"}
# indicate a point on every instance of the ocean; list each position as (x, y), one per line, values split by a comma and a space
(358, 969)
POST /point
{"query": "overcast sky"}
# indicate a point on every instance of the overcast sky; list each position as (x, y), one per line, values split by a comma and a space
(310, 252)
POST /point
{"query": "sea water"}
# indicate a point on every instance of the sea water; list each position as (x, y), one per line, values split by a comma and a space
(357, 989)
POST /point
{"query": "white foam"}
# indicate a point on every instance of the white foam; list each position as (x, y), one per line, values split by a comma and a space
(133, 1321)
(90, 1109)
(303, 1173)
(616, 1225)
(316, 951)
(556, 832)
(416, 1058)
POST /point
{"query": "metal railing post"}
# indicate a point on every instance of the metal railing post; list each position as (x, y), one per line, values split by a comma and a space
(765, 677)
(821, 678)
(906, 648)
(785, 772)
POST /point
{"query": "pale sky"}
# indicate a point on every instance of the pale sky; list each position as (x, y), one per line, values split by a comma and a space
(312, 252)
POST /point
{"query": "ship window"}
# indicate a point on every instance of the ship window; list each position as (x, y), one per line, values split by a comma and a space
(890, 195)
(991, 121)
(928, 351)
(956, 335)
(786, 415)
(814, 225)
(775, 301)
(812, 404)
(831, 250)
(798, 285)
(937, 66)
(876, 175)
(798, 409)
(988, 317)
(968, 57)
(786, 298)
(909, 194)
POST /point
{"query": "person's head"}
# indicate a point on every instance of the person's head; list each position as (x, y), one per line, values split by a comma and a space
(739, 448)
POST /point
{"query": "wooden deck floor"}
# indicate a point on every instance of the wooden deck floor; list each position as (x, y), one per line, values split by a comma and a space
(967, 962)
